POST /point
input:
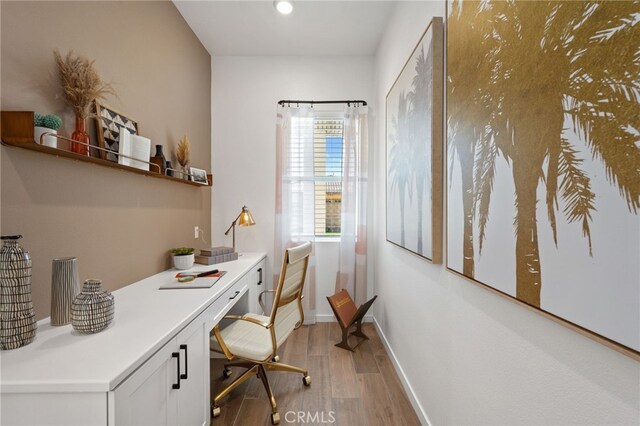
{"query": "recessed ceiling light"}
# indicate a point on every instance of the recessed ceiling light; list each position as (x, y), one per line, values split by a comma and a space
(283, 6)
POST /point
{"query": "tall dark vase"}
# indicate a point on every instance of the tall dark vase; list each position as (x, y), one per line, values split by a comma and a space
(80, 134)
(159, 160)
(168, 168)
(16, 305)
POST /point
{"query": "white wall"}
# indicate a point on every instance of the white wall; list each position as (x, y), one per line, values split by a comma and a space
(470, 356)
(244, 95)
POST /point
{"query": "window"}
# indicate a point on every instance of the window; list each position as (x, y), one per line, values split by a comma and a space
(315, 173)
(327, 166)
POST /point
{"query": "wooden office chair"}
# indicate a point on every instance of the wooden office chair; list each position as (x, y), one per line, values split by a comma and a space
(254, 339)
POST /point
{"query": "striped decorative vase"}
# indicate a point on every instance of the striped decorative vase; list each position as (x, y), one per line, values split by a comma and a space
(17, 319)
(93, 309)
(65, 286)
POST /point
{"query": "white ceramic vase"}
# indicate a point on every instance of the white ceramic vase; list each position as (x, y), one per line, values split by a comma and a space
(183, 262)
(49, 140)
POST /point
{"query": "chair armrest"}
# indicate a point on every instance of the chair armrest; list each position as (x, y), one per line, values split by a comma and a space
(248, 319)
(262, 305)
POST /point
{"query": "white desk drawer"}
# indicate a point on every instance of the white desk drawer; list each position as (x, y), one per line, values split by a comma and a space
(225, 302)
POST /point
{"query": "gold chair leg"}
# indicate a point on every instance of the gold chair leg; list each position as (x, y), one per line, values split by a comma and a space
(306, 379)
(278, 366)
(237, 382)
(243, 364)
(265, 381)
(226, 372)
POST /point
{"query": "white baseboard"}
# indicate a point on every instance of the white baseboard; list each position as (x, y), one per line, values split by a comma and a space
(417, 407)
(325, 318)
(332, 318)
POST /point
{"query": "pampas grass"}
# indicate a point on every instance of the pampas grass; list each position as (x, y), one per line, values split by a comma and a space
(81, 83)
(183, 153)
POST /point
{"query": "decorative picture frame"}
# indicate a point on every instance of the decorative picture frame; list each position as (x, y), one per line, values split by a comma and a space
(543, 199)
(414, 145)
(109, 123)
(198, 176)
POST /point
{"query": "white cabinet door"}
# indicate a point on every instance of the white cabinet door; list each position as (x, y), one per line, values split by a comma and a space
(146, 397)
(193, 395)
(172, 387)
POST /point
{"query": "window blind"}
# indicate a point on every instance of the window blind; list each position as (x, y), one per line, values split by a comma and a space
(314, 171)
(327, 153)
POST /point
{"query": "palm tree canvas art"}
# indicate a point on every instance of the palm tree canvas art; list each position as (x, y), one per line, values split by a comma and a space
(543, 157)
(414, 149)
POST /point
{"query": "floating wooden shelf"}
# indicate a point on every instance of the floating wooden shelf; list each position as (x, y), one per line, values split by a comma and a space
(18, 130)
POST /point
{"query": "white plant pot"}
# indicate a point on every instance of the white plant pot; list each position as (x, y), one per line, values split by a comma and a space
(49, 140)
(183, 262)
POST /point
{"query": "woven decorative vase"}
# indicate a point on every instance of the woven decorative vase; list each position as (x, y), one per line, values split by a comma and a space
(93, 309)
(65, 286)
(17, 319)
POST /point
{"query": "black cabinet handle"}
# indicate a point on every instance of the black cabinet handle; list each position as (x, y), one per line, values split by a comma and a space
(260, 275)
(185, 376)
(235, 295)
(176, 355)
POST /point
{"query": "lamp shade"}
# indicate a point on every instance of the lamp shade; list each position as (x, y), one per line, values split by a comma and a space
(245, 218)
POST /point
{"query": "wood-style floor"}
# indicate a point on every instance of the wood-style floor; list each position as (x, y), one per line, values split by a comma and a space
(352, 389)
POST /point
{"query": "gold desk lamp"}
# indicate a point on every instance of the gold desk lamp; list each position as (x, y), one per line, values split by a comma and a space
(243, 219)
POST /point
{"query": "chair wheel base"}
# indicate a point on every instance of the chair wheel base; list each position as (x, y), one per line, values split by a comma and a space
(306, 380)
(275, 418)
(215, 411)
(226, 373)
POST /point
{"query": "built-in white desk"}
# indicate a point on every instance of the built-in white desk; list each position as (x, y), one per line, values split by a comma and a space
(130, 372)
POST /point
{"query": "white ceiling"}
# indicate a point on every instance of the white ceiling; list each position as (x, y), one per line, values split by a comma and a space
(228, 28)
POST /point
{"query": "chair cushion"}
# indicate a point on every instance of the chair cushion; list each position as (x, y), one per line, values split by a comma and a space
(252, 341)
(245, 339)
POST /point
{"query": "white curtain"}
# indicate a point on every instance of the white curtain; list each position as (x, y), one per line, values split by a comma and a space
(352, 273)
(294, 194)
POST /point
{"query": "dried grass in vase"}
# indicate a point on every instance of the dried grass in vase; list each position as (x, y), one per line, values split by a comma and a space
(183, 153)
(81, 83)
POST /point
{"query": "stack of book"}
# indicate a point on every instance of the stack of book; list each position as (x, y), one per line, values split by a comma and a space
(215, 255)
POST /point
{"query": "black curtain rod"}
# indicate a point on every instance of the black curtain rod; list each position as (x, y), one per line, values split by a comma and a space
(289, 102)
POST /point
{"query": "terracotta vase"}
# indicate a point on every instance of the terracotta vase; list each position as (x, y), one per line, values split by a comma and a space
(80, 135)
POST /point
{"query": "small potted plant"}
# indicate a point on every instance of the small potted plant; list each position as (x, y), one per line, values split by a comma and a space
(47, 124)
(183, 257)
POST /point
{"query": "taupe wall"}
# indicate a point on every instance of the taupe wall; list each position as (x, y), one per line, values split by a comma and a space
(119, 224)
